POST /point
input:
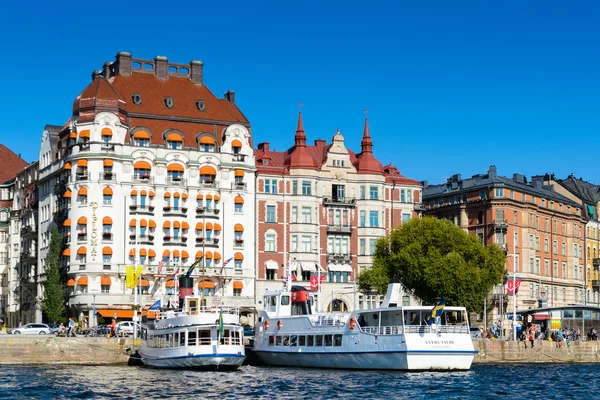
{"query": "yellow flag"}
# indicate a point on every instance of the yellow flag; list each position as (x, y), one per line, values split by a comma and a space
(138, 272)
(130, 277)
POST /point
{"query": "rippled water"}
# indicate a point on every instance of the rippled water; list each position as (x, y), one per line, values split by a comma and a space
(483, 381)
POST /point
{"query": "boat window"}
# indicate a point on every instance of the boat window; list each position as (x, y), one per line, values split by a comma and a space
(204, 338)
(182, 339)
(328, 341)
(271, 340)
(272, 301)
(293, 340)
(192, 338)
(310, 340)
(225, 337)
(286, 341)
(285, 300)
(278, 341)
(318, 340)
(337, 340)
(193, 306)
(301, 340)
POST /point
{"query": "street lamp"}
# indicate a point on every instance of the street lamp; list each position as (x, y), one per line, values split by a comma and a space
(514, 314)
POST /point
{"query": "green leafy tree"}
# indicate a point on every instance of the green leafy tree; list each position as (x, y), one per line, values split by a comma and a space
(53, 304)
(434, 259)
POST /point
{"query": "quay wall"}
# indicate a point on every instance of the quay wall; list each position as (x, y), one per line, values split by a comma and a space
(498, 351)
(41, 349)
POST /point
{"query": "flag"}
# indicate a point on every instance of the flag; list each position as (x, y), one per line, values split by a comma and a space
(221, 326)
(224, 264)
(294, 277)
(191, 269)
(130, 277)
(176, 273)
(314, 282)
(161, 264)
(138, 272)
(155, 287)
(155, 306)
(510, 290)
(436, 312)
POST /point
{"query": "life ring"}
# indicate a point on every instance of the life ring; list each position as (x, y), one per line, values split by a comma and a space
(279, 325)
(266, 325)
(352, 323)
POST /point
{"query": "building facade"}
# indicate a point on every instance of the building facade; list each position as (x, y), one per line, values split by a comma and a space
(152, 170)
(320, 210)
(541, 230)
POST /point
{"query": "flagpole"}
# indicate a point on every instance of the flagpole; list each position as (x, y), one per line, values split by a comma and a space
(319, 287)
(203, 252)
(135, 302)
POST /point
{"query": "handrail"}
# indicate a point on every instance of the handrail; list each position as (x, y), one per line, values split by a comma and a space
(396, 330)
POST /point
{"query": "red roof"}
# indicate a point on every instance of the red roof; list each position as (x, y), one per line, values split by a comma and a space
(10, 164)
(99, 96)
(365, 162)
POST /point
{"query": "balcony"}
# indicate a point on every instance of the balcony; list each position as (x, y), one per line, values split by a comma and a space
(144, 178)
(238, 243)
(238, 157)
(81, 236)
(596, 285)
(213, 242)
(340, 201)
(339, 229)
(28, 231)
(210, 184)
(174, 211)
(107, 176)
(145, 209)
(146, 239)
(84, 146)
(500, 224)
(174, 241)
(419, 207)
(339, 258)
(107, 146)
(596, 263)
(82, 176)
(107, 236)
(176, 181)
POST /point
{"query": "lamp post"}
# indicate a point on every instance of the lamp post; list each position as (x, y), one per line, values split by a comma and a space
(514, 314)
(204, 209)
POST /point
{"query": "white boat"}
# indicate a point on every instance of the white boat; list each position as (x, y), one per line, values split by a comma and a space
(385, 338)
(194, 337)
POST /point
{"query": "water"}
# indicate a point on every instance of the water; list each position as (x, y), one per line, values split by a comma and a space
(483, 381)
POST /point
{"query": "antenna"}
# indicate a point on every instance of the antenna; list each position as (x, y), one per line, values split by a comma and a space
(366, 112)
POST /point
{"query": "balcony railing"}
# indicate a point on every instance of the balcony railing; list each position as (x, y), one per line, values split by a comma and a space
(146, 239)
(238, 157)
(500, 224)
(340, 258)
(107, 236)
(238, 243)
(339, 228)
(176, 181)
(344, 201)
(596, 284)
(107, 176)
(81, 176)
(208, 184)
(145, 178)
(107, 146)
(168, 210)
(596, 263)
(137, 209)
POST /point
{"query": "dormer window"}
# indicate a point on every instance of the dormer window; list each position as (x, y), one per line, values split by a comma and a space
(174, 141)
(265, 162)
(106, 135)
(201, 105)
(141, 138)
(169, 103)
(206, 143)
(137, 99)
(236, 146)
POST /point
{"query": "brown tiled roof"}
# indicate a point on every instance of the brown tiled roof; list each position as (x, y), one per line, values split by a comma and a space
(99, 96)
(10, 164)
(158, 127)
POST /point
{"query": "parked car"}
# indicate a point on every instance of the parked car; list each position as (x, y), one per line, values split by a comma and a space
(53, 328)
(31, 329)
(476, 333)
(127, 327)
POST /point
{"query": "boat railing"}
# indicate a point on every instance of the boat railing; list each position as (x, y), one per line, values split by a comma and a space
(197, 311)
(395, 330)
(329, 320)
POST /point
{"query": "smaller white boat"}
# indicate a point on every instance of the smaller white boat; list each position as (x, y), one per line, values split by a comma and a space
(193, 336)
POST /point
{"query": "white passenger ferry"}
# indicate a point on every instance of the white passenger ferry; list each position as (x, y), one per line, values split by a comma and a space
(194, 337)
(387, 338)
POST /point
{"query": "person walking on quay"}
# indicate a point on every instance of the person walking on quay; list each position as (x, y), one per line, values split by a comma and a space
(113, 328)
(559, 338)
(71, 331)
(531, 335)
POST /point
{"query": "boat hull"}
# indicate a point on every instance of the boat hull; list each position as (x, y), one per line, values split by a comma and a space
(205, 362)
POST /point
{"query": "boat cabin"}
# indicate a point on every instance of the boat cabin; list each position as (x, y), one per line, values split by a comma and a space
(298, 301)
(413, 318)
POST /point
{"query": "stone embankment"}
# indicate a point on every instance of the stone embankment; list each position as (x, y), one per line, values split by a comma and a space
(41, 349)
(496, 352)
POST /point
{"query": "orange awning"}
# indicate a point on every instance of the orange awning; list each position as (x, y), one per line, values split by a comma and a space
(170, 283)
(184, 196)
(199, 226)
(134, 193)
(166, 253)
(71, 282)
(167, 225)
(208, 170)
(82, 163)
(124, 314)
(217, 255)
(238, 228)
(175, 253)
(132, 253)
(151, 253)
(206, 285)
(67, 222)
(67, 194)
(107, 221)
(209, 226)
(142, 165)
(200, 196)
(209, 197)
(185, 225)
(106, 132)
(151, 194)
(141, 135)
(239, 172)
(107, 191)
(176, 225)
(73, 135)
(217, 227)
(167, 195)
(143, 252)
(238, 199)
(199, 254)
(185, 254)
(238, 285)
(236, 143)
(143, 283)
(217, 197)
(208, 254)
(176, 195)
(143, 222)
(105, 280)
(84, 134)
(238, 256)
(152, 224)
(206, 140)
(67, 165)
(82, 221)
(133, 223)
(82, 191)
(108, 163)
(174, 137)
(175, 167)
(67, 252)
(107, 251)
(143, 193)
(82, 281)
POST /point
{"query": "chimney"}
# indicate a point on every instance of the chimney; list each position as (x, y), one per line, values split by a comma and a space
(123, 63)
(456, 177)
(96, 74)
(320, 142)
(264, 146)
(230, 96)
(196, 71)
(106, 70)
(492, 171)
(425, 184)
(160, 67)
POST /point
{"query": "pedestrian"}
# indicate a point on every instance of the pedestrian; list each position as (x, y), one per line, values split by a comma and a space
(531, 335)
(113, 328)
(61, 329)
(559, 338)
(71, 331)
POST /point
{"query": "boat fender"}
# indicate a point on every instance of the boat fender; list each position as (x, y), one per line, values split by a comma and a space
(352, 323)
(279, 325)
(266, 325)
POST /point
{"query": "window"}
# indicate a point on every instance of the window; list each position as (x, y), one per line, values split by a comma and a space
(555, 268)
(270, 242)
(546, 267)
(294, 187)
(306, 188)
(409, 196)
(564, 248)
(555, 247)
(373, 193)
(372, 246)
(531, 265)
(537, 243)
(537, 266)
(294, 243)
(362, 192)
(107, 199)
(3, 258)
(306, 244)
(361, 247)
(271, 214)
(546, 245)
(403, 196)
(306, 215)
(374, 218)
(405, 218)
(499, 192)
(271, 186)
(482, 194)
(271, 274)
(294, 214)
(564, 270)
(3, 237)
(361, 219)
(237, 292)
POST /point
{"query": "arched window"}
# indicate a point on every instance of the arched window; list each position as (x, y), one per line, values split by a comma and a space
(174, 141)
(141, 138)
(206, 143)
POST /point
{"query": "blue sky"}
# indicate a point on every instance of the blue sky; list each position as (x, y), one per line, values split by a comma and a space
(451, 87)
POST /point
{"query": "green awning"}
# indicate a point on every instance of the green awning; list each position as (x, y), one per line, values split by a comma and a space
(591, 210)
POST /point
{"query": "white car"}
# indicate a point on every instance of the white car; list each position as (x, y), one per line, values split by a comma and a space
(126, 327)
(31, 329)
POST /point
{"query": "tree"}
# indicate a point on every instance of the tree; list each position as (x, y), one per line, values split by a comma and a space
(434, 259)
(53, 303)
